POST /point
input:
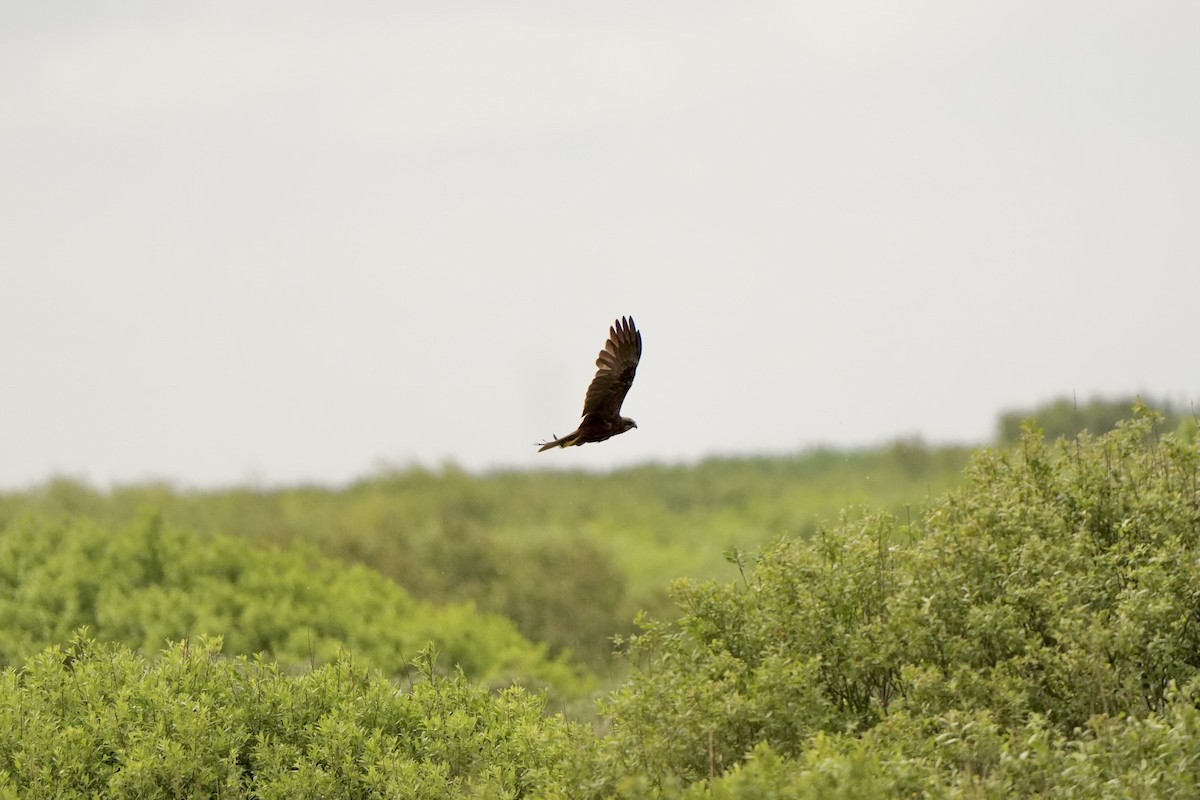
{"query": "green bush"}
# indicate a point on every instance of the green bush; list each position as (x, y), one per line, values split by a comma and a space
(1060, 583)
(147, 583)
(967, 757)
(99, 720)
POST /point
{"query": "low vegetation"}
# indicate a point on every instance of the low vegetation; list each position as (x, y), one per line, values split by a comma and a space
(570, 557)
(1030, 633)
(146, 583)
(97, 720)
(1045, 610)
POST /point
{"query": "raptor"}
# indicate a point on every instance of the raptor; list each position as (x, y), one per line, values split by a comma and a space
(615, 367)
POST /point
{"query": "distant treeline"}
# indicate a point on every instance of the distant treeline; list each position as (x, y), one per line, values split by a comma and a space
(1066, 417)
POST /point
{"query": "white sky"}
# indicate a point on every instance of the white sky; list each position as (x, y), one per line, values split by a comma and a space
(281, 241)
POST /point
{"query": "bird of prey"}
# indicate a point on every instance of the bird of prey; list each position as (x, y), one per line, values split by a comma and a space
(616, 366)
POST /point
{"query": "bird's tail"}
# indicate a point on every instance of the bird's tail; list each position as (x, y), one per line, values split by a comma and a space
(566, 441)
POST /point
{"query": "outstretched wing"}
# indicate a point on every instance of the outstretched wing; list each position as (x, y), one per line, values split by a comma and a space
(616, 366)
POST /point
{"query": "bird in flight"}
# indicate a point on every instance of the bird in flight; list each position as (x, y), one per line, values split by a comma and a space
(616, 366)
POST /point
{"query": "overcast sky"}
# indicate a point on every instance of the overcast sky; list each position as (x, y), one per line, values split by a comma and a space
(274, 242)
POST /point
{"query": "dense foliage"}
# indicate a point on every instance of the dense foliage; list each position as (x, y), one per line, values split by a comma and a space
(147, 583)
(96, 720)
(1032, 633)
(570, 557)
(1046, 610)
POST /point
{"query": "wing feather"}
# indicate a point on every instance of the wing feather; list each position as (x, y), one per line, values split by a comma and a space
(616, 366)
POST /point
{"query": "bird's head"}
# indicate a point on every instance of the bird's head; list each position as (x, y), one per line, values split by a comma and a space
(627, 423)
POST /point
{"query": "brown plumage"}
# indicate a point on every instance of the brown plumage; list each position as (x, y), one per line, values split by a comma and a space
(616, 366)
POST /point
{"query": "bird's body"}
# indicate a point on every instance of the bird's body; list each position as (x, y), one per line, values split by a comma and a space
(615, 367)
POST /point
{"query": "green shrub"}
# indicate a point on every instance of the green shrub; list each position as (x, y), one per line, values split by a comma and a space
(1060, 583)
(99, 720)
(963, 756)
(147, 583)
